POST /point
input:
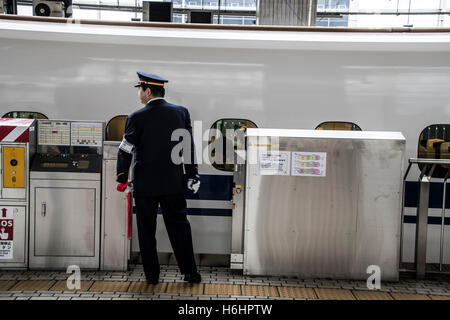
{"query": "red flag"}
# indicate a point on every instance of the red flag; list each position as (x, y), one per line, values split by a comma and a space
(129, 215)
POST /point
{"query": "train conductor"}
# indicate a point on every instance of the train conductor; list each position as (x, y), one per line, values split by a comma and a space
(157, 179)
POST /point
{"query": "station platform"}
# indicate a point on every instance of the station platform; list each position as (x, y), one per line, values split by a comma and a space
(218, 283)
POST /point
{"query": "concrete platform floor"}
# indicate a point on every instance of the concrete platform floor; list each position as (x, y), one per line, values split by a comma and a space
(219, 283)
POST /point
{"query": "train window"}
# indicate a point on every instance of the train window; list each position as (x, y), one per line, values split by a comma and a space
(115, 128)
(25, 115)
(434, 143)
(338, 125)
(219, 130)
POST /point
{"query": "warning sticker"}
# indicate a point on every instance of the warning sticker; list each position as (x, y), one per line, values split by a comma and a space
(310, 164)
(6, 232)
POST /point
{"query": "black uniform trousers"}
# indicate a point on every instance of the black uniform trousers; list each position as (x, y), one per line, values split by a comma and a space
(173, 209)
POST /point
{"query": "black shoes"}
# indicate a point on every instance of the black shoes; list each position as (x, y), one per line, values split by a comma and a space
(193, 278)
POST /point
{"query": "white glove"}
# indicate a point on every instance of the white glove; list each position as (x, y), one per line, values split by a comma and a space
(193, 185)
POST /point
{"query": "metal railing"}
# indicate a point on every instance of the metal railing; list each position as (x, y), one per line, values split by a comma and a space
(426, 174)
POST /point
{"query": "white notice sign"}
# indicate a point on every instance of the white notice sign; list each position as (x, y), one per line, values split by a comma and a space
(309, 164)
(275, 163)
(88, 134)
(54, 133)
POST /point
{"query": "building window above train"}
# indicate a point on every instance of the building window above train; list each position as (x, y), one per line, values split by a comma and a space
(115, 128)
(25, 115)
(224, 129)
(434, 143)
(338, 125)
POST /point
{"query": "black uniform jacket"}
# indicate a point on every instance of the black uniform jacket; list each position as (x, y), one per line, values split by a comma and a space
(148, 131)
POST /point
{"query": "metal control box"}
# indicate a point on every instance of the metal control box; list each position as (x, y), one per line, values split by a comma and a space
(65, 200)
(323, 203)
(17, 147)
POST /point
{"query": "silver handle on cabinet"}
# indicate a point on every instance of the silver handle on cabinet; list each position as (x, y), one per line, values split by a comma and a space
(43, 209)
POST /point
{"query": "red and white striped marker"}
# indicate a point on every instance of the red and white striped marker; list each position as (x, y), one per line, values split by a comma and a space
(15, 130)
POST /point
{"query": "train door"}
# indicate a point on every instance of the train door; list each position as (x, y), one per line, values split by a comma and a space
(227, 138)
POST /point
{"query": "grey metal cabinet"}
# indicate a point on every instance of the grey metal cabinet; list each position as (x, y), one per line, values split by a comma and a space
(322, 203)
(63, 217)
(65, 220)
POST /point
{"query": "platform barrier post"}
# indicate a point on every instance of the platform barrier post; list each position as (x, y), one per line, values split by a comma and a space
(420, 250)
(444, 196)
(422, 226)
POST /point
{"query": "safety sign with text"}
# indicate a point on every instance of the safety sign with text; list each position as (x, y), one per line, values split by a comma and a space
(6, 232)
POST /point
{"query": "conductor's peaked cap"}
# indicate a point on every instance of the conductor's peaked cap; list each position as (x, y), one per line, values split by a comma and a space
(150, 79)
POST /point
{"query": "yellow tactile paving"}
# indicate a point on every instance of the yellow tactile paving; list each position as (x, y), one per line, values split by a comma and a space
(435, 297)
(5, 285)
(297, 292)
(33, 285)
(62, 286)
(110, 286)
(142, 286)
(371, 295)
(223, 289)
(261, 291)
(409, 296)
(184, 288)
(334, 294)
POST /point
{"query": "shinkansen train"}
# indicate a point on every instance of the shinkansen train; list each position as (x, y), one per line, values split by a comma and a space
(232, 77)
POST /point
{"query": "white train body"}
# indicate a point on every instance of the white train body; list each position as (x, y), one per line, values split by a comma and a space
(278, 79)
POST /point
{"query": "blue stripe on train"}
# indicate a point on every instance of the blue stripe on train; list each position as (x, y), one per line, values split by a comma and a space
(215, 187)
(228, 213)
(431, 220)
(212, 187)
(436, 194)
(203, 212)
